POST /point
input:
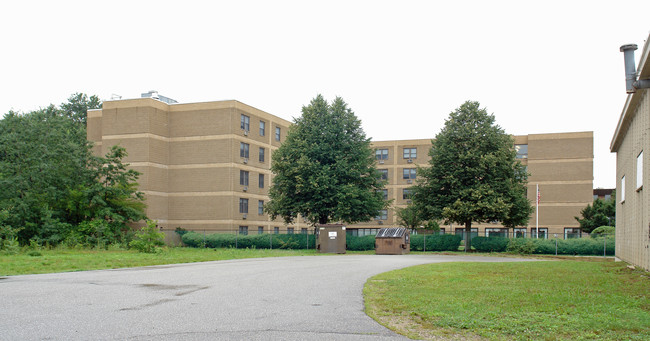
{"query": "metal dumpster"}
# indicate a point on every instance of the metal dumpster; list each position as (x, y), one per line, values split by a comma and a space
(392, 241)
(331, 238)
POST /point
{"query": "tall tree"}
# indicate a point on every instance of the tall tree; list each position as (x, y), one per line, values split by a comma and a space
(474, 175)
(77, 106)
(325, 170)
(601, 213)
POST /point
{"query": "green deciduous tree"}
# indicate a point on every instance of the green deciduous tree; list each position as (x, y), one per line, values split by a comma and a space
(474, 175)
(325, 170)
(50, 180)
(601, 213)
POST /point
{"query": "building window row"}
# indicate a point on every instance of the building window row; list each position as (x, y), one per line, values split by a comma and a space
(244, 151)
(243, 206)
(245, 125)
(244, 176)
(410, 153)
(381, 154)
(522, 151)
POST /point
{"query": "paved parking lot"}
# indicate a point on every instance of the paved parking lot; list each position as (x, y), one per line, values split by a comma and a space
(288, 298)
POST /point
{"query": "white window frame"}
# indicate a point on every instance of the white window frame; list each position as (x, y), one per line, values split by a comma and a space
(639, 171)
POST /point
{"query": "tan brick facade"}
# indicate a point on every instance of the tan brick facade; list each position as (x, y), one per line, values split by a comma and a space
(189, 157)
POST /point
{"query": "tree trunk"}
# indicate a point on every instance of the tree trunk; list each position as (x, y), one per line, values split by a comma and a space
(468, 236)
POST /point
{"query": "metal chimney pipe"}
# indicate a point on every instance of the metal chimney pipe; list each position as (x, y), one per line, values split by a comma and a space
(630, 67)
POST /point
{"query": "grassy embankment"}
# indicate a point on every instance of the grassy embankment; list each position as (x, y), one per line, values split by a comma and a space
(577, 299)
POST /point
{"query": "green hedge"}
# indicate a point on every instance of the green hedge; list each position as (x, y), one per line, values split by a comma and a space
(435, 242)
(575, 246)
(490, 244)
(258, 241)
(363, 243)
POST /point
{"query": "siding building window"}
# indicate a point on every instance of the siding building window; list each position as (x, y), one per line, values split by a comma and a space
(277, 133)
(383, 174)
(243, 230)
(262, 128)
(639, 171)
(407, 193)
(383, 215)
(262, 152)
(260, 230)
(260, 207)
(261, 180)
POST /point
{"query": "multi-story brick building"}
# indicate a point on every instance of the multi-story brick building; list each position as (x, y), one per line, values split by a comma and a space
(206, 166)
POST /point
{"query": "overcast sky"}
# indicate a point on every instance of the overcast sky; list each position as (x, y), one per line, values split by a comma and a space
(402, 66)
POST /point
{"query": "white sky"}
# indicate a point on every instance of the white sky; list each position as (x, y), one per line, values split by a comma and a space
(402, 66)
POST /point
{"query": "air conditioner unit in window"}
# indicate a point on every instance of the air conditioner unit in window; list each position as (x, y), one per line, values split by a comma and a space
(245, 160)
(380, 222)
(244, 216)
(381, 162)
(245, 132)
(409, 161)
(245, 188)
(409, 181)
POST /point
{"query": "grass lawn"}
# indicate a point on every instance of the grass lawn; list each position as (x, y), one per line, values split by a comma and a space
(579, 299)
(77, 260)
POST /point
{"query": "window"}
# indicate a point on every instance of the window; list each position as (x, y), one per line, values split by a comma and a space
(384, 193)
(260, 230)
(277, 133)
(571, 232)
(243, 205)
(243, 230)
(460, 231)
(409, 173)
(243, 178)
(520, 233)
(245, 122)
(303, 230)
(262, 152)
(522, 151)
(383, 215)
(276, 230)
(260, 207)
(496, 232)
(262, 128)
(543, 233)
(261, 180)
(407, 193)
(381, 154)
(244, 149)
(623, 189)
(289, 230)
(639, 171)
(410, 153)
(608, 197)
(383, 174)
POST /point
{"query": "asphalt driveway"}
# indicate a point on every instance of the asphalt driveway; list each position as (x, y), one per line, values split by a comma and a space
(289, 298)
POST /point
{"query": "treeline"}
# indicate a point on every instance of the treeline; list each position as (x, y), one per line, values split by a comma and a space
(53, 189)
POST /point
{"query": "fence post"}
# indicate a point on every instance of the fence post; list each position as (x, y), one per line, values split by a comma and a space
(236, 238)
(424, 236)
(204, 244)
(270, 240)
(605, 246)
(556, 246)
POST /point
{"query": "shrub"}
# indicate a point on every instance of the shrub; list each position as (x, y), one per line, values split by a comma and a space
(521, 246)
(258, 241)
(149, 239)
(363, 243)
(603, 231)
(490, 244)
(436, 242)
(577, 246)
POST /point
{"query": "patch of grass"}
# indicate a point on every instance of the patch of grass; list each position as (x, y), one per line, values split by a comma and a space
(62, 260)
(65, 260)
(590, 299)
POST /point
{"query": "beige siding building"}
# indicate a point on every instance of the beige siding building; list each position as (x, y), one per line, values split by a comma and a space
(631, 143)
(560, 164)
(205, 166)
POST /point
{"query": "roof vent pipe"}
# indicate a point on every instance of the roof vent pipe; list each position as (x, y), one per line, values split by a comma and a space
(631, 83)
